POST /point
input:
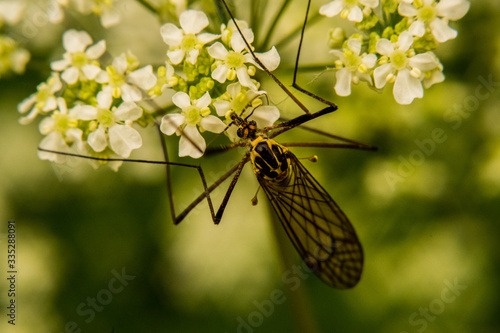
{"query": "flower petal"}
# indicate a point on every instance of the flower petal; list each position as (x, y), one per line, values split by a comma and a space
(84, 112)
(59, 65)
(91, 71)
(384, 47)
(76, 41)
(404, 41)
(417, 28)
(220, 73)
(192, 56)
(123, 139)
(212, 124)
(204, 101)
(143, 77)
(104, 100)
(176, 56)
(244, 78)
(441, 31)
(354, 44)
(452, 9)
(193, 21)
(130, 93)
(206, 37)
(171, 34)
(271, 59)
(194, 146)
(265, 115)
(406, 9)
(332, 8)
(128, 111)
(97, 139)
(221, 107)
(407, 88)
(97, 50)
(217, 51)
(181, 99)
(170, 123)
(355, 15)
(380, 75)
(424, 61)
(70, 75)
(343, 84)
(53, 141)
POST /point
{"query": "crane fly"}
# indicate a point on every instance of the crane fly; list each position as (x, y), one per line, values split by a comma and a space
(317, 227)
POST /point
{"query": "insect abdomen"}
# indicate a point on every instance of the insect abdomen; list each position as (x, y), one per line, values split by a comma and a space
(269, 159)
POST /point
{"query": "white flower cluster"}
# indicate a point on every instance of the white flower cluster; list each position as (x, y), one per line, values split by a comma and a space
(89, 109)
(92, 109)
(402, 53)
(13, 57)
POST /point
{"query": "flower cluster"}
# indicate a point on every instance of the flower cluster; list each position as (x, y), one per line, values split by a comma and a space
(13, 57)
(92, 109)
(87, 108)
(394, 44)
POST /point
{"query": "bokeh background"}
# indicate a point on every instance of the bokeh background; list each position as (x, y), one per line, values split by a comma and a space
(425, 207)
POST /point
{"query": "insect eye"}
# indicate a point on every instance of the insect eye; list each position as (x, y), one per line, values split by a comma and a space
(252, 123)
(240, 132)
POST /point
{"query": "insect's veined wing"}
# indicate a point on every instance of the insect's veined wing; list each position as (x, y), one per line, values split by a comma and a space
(319, 230)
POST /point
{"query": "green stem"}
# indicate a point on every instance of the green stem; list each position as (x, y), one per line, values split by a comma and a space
(270, 31)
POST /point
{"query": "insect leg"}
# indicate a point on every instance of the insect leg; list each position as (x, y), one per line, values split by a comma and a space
(261, 65)
(294, 84)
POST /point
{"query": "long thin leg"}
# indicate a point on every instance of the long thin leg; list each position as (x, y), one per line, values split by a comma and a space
(288, 125)
(294, 84)
(206, 193)
(230, 189)
(360, 146)
(261, 65)
(237, 168)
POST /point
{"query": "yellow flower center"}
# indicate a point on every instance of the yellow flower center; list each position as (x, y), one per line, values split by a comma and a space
(399, 60)
(105, 117)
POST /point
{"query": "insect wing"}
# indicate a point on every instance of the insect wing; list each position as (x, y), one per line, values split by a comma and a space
(319, 230)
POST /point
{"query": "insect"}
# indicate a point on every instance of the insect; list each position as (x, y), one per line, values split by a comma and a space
(317, 227)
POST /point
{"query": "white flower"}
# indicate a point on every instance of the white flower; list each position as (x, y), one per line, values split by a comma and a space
(43, 101)
(352, 66)
(61, 132)
(430, 15)
(11, 11)
(105, 9)
(55, 11)
(120, 81)
(78, 61)
(186, 42)
(194, 114)
(113, 125)
(232, 64)
(348, 9)
(404, 68)
(13, 58)
(243, 102)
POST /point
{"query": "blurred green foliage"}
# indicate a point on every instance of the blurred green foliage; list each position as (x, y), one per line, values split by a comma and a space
(425, 207)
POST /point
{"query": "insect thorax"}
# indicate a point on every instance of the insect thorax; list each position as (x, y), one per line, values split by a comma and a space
(269, 159)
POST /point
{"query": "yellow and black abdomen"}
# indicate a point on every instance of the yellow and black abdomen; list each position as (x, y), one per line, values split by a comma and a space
(269, 158)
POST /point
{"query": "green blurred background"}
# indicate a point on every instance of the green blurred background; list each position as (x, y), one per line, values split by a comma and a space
(425, 207)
